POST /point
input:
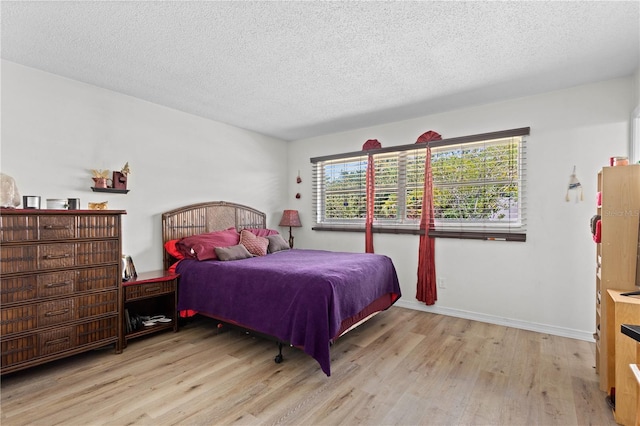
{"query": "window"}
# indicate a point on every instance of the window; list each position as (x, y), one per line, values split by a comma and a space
(478, 187)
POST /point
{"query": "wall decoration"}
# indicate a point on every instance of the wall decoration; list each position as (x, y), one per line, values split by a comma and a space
(118, 182)
(574, 185)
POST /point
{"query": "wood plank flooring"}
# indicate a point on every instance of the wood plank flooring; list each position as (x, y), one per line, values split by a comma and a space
(402, 367)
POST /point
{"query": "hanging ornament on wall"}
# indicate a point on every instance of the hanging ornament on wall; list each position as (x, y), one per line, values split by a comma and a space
(575, 186)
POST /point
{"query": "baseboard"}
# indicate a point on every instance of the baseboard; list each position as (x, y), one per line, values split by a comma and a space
(507, 322)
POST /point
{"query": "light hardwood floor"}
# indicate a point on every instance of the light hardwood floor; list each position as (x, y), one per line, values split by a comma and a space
(402, 367)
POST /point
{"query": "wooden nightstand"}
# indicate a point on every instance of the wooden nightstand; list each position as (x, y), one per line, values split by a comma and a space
(149, 294)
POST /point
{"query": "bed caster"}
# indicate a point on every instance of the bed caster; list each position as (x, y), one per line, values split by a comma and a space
(278, 359)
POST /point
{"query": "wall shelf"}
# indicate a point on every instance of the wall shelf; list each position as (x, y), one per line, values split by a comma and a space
(112, 190)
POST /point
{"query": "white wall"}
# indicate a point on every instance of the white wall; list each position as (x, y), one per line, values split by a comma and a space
(55, 130)
(546, 283)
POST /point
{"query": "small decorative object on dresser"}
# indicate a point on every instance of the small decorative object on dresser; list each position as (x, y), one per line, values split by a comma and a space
(98, 206)
(60, 284)
(128, 268)
(9, 195)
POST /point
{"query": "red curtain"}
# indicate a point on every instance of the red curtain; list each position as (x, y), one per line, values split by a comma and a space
(426, 288)
(371, 194)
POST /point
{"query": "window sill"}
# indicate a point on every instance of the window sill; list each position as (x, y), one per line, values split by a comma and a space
(485, 235)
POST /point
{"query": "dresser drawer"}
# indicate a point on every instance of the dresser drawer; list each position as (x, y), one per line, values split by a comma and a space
(18, 228)
(97, 252)
(57, 340)
(28, 258)
(57, 227)
(55, 312)
(97, 330)
(98, 226)
(30, 287)
(21, 349)
(29, 317)
(139, 291)
(97, 304)
(97, 278)
(18, 259)
(18, 289)
(56, 283)
(50, 256)
(18, 319)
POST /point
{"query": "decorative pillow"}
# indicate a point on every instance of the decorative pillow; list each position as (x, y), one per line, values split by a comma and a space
(256, 245)
(277, 243)
(262, 232)
(236, 252)
(170, 247)
(203, 245)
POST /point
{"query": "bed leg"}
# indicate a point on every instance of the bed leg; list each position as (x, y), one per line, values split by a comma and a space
(278, 359)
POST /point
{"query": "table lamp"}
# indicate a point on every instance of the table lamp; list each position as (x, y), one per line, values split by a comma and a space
(291, 219)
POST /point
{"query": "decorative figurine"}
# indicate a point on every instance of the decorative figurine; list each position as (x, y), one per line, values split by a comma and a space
(9, 197)
(120, 178)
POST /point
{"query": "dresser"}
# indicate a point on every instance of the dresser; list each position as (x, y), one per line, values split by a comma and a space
(60, 284)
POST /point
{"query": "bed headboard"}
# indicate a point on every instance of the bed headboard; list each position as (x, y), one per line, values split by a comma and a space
(207, 217)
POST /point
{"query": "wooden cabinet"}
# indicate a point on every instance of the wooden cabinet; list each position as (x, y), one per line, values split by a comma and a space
(150, 294)
(616, 254)
(60, 284)
(622, 352)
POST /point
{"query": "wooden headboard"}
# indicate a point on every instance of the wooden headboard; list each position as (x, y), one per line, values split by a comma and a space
(207, 217)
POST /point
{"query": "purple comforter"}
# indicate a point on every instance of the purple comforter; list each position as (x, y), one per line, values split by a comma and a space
(298, 296)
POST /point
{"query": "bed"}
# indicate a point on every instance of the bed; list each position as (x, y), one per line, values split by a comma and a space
(298, 297)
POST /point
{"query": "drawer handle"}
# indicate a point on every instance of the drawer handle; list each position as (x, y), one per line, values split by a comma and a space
(57, 227)
(61, 284)
(57, 341)
(150, 289)
(56, 256)
(55, 313)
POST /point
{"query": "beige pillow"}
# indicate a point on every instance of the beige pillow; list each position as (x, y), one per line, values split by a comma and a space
(232, 253)
(255, 245)
(277, 243)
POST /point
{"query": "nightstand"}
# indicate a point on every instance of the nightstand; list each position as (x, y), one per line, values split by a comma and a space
(150, 294)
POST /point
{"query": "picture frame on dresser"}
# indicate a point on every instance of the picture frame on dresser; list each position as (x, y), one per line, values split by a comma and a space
(60, 284)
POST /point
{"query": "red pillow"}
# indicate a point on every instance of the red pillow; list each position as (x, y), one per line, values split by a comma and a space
(170, 247)
(173, 267)
(261, 232)
(254, 244)
(203, 246)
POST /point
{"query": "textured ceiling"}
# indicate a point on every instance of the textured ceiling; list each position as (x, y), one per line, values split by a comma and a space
(299, 69)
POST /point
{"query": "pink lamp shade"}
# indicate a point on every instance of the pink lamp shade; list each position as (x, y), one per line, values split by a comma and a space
(290, 218)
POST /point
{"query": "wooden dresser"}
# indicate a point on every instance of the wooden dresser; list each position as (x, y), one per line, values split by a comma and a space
(60, 284)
